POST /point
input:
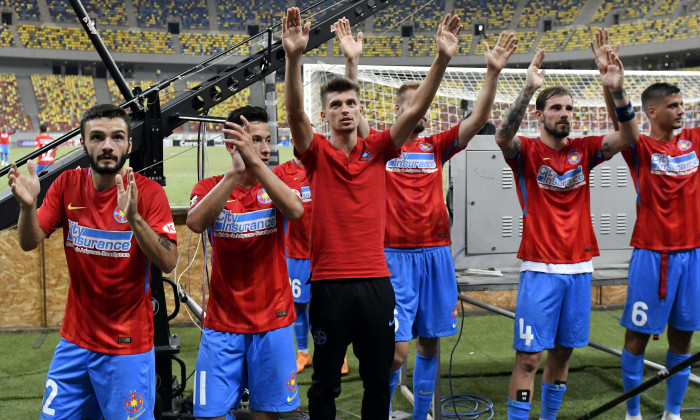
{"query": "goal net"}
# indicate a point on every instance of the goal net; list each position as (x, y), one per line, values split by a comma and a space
(461, 86)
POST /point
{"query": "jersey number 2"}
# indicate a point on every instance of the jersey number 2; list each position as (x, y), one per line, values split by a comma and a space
(54, 390)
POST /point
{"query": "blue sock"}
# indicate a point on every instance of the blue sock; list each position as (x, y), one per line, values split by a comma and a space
(518, 410)
(632, 373)
(301, 328)
(677, 384)
(552, 396)
(393, 380)
(424, 373)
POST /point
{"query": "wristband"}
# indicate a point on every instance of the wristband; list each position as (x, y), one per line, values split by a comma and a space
(624, 113)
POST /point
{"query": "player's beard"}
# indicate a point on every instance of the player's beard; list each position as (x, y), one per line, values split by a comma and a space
(107, 170)
(420, 127)
(555, 131)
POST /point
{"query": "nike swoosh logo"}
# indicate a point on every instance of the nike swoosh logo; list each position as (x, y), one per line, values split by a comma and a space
(136, 416)
(290, 398)
(545, 158)
(229, 201)
(70, 207)
(424, 393)
(454, 325)
(392, 322)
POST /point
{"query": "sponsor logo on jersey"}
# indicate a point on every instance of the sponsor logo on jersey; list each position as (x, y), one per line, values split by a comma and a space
(98, 242)
(662, 164)
(119, 215)
(574, 158)
(425, 147)
(684, 145)
(413, 163)
(549, 179)
(169, 228)
(263, 198)
(306, 194)
(133, 403)
(244, 225)
(292, 382)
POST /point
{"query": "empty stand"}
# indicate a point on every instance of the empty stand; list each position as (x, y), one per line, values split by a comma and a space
(11, 109)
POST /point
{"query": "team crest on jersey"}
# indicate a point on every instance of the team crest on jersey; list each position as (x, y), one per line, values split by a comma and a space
(366, 155)
(119, 215)
(263, 198)
(133, 403)
(292, 382)
(319, 337)
(574, 158)
(425, 147)
(684, 145)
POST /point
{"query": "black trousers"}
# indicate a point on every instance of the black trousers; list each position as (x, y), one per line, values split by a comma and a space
(361, 312)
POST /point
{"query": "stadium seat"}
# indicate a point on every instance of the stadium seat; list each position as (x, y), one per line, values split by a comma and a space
(63, 99)
(12, 112)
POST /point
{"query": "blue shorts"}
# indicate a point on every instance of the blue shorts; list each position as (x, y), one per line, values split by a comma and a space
(228, 363)
(40, 168)
(5, 149)
(552, 309)
(299, 274)
(84, 384)
(663, 288)
(426, 291)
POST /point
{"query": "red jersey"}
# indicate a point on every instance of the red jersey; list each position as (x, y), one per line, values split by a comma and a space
(298, 231)
(4, 137)
(666, 178)
(347, 224)
(48, 157)
(415, 208)
(109, 307)
(250, 291)
(555, 197)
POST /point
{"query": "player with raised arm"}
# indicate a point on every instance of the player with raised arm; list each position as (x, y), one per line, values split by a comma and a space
(247, 339)
(352, 300)
(558, 243)
(417, 239)
(115, 223)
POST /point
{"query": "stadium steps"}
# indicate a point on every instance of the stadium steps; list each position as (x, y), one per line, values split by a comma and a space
(587, 11)
(211, 11)
(26, 92)
(130, 14)
(44, 11)
(102, 91)
(16, 41)
(515, 22)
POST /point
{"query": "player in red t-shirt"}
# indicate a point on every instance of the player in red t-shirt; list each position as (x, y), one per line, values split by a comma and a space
(247, 341)
(664, 276)
(114, 224)
(5, 146)
(47, 158)
(352, 297)
(417, 240)
(552, 175)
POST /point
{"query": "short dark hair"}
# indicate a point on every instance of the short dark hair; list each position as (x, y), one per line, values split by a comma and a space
(105, 111)
(338, 84)
(550, 92)
(43, 128)
(411, 85)
(251, 113)
(657, 91)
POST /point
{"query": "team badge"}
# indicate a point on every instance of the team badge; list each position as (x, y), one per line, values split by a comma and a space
(292, 382)
(263, 198)
(425, 147)
(133, 403)
(684, 145)
(574, 158)
(319, 337)
(366, 155)
(119, 215)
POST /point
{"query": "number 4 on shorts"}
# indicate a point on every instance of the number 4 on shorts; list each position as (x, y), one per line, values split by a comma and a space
(526, 332)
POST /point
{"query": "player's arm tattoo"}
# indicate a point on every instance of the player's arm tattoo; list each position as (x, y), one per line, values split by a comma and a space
(164, 242)
(509, 126)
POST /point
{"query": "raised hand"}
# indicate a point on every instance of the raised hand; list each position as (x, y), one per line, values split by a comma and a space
(352, 49)
(25, 189)
(535, 76)
(127, 195)
(240, 144)
(613, 75)
(295, 36)
(448, 35)
(601, 48)
(497, 58)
